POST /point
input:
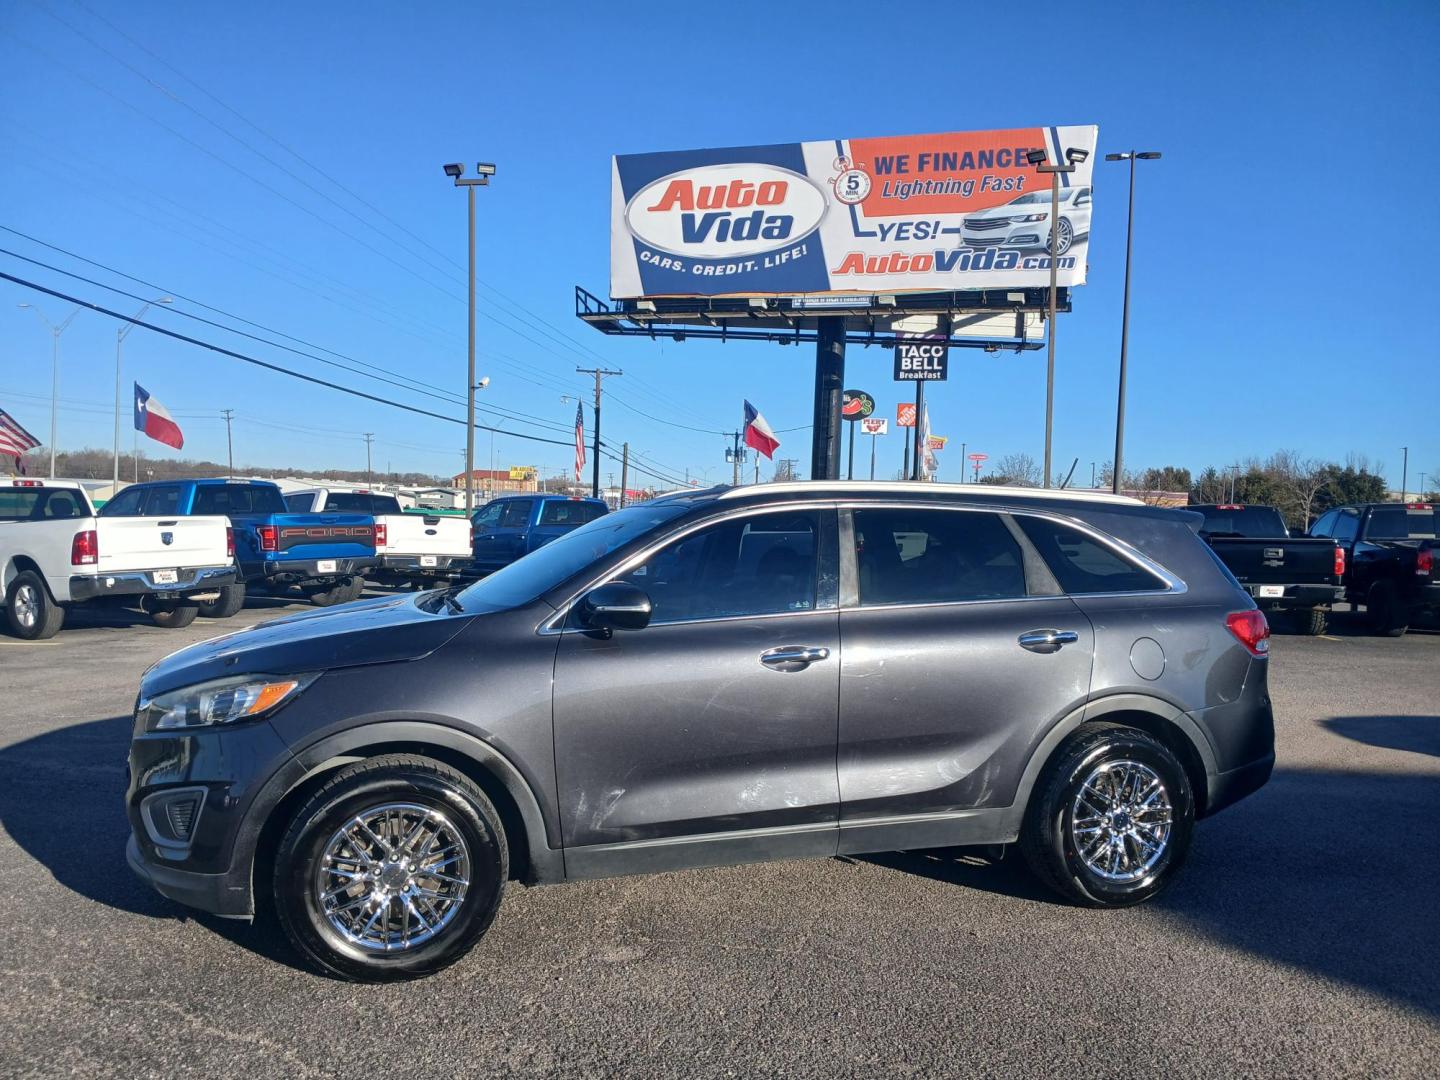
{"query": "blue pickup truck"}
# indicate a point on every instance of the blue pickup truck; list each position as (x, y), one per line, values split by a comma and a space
(324, 556)
(514, 525)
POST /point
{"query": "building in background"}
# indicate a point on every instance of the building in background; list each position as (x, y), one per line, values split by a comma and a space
(501, 481)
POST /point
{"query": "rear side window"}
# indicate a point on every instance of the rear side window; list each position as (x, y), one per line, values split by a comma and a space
(238, 499)
(567, 512)
(906, 556)
(1080, 563)
(516, 514)
(163, 501)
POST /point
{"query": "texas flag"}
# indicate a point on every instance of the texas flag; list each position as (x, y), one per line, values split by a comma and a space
(154, 419)
(758, 433)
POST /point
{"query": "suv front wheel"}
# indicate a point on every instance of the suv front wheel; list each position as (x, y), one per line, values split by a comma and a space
(1109, 823)
(392, 870)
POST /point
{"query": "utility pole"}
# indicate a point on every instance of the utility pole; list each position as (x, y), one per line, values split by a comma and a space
(599, 374)
(1405, 473)
(229, 415)
(55, 332)
(624, 472)
(369, 438)
(735, 460)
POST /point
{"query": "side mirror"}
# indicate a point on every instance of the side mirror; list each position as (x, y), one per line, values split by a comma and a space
(616, 605)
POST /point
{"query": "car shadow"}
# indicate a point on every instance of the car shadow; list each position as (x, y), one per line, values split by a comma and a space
(1414, 734)
(63, 803)
(1328, 871)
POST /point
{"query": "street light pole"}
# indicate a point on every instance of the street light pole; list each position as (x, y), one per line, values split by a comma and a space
(482, 179)
(1073, 157)
(119, 341)
(1131, 156)
(1405, 473)
(55, 332)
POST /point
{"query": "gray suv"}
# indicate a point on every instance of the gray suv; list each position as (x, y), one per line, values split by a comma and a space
(774, 672)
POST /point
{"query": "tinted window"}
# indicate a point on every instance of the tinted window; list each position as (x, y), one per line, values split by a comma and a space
(568, 512)
(126, 504)
(60, 505)
(563, 558)
(935, 556)
(18, 504)
(1324, 526)
(1082, 564)
(1242, 521)
(489, 517)
(516, 514)
(238, 499)
(1347, 524)
(299, 504)
(163, 501)
(760, 565)
(1401, 523)
(350, 502)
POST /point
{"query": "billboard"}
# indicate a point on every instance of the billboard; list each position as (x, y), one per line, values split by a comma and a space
(913, 213)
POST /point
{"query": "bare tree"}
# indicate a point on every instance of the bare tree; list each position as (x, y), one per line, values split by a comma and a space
(1022, 470)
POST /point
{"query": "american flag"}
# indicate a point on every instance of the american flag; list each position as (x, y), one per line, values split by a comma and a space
(15, 440)
(579, 440)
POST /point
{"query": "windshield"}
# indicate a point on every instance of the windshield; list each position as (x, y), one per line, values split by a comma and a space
(543, 569)
(1402, 523)
(1258, 521)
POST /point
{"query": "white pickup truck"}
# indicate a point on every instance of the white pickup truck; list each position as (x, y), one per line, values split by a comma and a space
(416, 548)
(55, 553)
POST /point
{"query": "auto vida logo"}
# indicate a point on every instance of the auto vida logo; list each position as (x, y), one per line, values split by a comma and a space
(721, 211)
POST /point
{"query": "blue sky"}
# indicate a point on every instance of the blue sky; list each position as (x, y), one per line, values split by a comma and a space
(1268, 238)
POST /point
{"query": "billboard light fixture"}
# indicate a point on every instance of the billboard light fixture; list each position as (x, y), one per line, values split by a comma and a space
(1075, 155)
(455, 170)
(1148, 155)
(1035, 157)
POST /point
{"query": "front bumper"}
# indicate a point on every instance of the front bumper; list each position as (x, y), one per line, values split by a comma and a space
(1026, 236)
(1296, 596)
(218, 894)
(191, 579)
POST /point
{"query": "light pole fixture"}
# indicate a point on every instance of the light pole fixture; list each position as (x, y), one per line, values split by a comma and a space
(1131, 156)
(125, 328)
(483, 172)
(1037, 158)
(55, 332)
(1405, 473)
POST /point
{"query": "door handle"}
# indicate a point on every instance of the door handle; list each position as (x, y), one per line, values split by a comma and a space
(1047, 640)
(794, 654)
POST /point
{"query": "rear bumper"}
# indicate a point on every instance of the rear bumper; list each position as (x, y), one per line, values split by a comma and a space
(416, 564)
(142, 582)
(1232, 786)
(300, 569)
(1296, 596)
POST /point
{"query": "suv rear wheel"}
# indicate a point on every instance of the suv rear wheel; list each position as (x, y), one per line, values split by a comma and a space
(1109, 823)
(392, 870)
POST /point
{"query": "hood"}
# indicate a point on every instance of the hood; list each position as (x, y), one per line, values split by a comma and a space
(380, 631)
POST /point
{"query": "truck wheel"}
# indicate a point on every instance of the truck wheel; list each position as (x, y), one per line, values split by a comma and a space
(1387, 615)
(1109, 823)
(1315, 621)
(337, 592)
(232, 599)
(356, 590)
(175, 617)
(392, 870)
(30, 611)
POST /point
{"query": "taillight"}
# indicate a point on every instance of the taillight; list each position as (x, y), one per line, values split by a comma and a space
(229, 543)
(1251, 630)
(381, 532)
(472, 535)
(85, 549)
(268, 539)
(1425, 561)
(1339, 561)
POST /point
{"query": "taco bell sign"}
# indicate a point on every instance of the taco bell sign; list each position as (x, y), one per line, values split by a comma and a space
(922, 361)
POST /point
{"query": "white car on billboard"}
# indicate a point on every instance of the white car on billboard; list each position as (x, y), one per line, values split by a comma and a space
(1024, 222)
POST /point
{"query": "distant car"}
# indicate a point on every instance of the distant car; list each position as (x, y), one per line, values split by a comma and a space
(514, 525)
(325, 556)
(1283, 573)
(776, 671)
(1024, 222)
(414, 548)
(56, 553)
(1390, 560)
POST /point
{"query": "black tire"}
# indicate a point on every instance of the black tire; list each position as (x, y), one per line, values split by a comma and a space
(232, 599)
(1048, 838)
(30, 611)
(1387, 614)
(1315, 621)
(334, 594)
(356, 590)
(175, 617)
(354, 790)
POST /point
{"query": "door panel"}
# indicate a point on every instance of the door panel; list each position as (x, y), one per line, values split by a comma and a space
(940, 704)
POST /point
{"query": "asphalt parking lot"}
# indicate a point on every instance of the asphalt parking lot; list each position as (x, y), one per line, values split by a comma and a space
(1303, 937)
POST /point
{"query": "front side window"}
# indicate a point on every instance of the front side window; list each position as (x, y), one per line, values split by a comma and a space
(920, 556)
(488, 517)
(126, 504)
(1081, 563)
(761, 565)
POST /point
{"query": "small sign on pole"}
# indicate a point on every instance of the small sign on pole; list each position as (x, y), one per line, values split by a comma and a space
(875, 425)
(905, 414)
(922, 360)
(976, 460)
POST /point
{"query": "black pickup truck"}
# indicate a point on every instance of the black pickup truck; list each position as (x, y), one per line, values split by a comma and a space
(1390, 551)
(1301, 576)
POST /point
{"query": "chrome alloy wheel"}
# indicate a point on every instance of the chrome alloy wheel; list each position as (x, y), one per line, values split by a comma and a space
(27, 606)
(1121, 820)
(1065, 236)
(393, 876)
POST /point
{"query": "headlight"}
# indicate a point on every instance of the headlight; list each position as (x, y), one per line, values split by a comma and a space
(1031, 217)
(223, 701)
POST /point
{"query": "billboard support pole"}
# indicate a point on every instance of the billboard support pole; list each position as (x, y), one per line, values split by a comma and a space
(905, 468)
(917, 457)
(872, 455)
(850, 464)
(829, 383)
